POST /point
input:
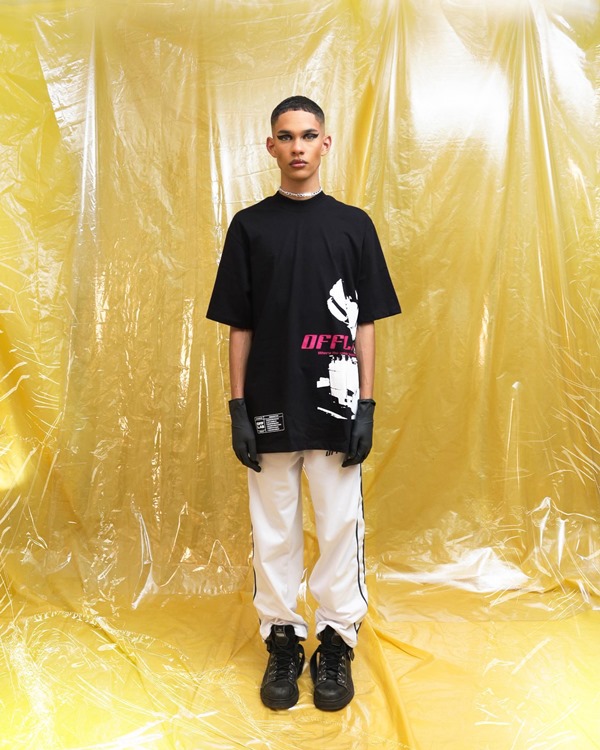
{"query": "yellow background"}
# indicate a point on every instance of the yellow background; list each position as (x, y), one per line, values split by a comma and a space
(130, 133)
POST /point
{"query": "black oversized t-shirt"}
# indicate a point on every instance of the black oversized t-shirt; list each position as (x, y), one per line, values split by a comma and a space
(302, 275)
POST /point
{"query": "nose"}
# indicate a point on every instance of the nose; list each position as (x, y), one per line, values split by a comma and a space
(297, 147)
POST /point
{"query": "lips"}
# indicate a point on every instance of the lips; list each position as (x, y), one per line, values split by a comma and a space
(298, 163)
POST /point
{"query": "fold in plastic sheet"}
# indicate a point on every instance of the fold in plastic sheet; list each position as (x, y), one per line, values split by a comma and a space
(130, 133)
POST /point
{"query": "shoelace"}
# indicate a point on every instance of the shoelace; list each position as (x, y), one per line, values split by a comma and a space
(285, 661)
(332, 662)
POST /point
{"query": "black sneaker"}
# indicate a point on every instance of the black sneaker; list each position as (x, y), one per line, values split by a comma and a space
(331, 674)
(279, 687)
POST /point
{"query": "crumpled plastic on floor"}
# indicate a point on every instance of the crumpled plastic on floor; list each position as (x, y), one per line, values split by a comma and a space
(130, 133)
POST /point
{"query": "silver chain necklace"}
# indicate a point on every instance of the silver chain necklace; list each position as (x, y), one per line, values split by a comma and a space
(299, 195)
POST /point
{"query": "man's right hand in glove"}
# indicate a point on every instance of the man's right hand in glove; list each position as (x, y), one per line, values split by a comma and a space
(243, 438)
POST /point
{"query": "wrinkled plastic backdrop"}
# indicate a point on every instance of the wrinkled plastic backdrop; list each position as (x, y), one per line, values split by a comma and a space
(130, 134)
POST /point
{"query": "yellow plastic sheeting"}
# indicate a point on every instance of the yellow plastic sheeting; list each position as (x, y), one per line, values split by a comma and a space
(130, 133)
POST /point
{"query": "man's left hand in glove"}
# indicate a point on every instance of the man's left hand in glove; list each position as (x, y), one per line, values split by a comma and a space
(361, 437)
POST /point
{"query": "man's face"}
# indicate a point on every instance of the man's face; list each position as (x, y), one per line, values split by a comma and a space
(298, 143)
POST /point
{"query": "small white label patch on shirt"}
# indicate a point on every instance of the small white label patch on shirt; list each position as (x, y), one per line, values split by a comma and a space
(269, 423)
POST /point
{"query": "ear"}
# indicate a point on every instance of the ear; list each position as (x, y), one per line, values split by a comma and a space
(326, 145)
(271, 146)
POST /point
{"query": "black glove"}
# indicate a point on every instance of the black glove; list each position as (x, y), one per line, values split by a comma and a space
(243, 438)
(361, 437)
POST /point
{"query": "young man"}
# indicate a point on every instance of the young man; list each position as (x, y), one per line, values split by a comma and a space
(301, 280)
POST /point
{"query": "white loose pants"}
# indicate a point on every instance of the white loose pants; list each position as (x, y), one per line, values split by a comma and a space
(338, 579)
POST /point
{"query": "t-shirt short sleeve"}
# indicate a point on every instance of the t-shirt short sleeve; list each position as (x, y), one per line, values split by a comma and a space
(376, 295)
(231, 300)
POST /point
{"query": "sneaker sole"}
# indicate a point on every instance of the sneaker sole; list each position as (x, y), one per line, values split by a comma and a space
(280, 704)
(324, 705)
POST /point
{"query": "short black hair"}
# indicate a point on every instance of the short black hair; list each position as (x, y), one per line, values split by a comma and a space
(296, 103)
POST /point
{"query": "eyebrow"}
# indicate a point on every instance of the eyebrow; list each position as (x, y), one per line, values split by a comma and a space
(304, 132)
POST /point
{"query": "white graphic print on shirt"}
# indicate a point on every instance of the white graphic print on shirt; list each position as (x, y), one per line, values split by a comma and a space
(343, 308)
(342, 380)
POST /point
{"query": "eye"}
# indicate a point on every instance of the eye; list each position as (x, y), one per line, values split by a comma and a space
(284, 137)
(311, 136)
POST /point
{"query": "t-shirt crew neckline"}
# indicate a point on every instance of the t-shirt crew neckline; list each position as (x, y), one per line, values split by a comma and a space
(284, 200)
